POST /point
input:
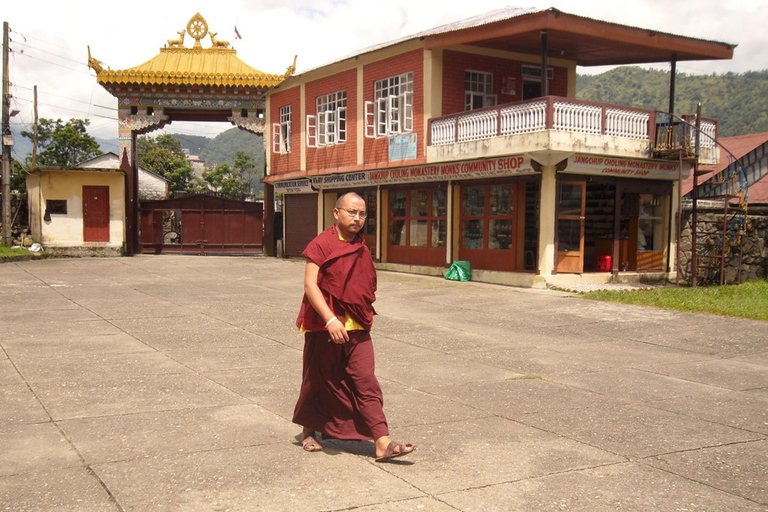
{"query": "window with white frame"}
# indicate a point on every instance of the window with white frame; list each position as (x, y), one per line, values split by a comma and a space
(478, 90)
(281, 132)
(329, 126)
(391, 112)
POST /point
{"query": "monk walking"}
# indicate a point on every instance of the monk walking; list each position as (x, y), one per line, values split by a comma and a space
(340, 396)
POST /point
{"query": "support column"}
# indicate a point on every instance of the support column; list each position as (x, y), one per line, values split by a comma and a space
(269, 220)
(130, 124)
(547, 221)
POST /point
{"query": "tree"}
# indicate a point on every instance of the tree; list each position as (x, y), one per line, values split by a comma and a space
(163, 154)
(233, 182)
(63, 144)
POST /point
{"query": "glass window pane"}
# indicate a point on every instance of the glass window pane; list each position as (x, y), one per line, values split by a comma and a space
(439, 203)
(472, 234)
(474, 201)
(418, 233)
(397, 204)
(397, 232)
(649, 234)
(568, 235)
(419, 203)
(438, 233)
(570, 198)
(500, 234)
(501, 199)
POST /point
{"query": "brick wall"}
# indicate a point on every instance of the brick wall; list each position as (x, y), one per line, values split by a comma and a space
(340, 156)
(377, 150)
(456, 63)
(281, 164)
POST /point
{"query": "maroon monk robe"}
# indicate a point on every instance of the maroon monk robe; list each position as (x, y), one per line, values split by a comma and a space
(340, 396)
(346, 277)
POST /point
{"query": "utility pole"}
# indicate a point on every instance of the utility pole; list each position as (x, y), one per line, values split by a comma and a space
(7, 144)
(34, 136)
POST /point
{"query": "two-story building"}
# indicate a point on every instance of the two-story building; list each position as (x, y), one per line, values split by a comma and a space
(468, 143)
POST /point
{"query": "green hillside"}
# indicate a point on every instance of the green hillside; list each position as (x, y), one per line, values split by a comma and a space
(739, 101)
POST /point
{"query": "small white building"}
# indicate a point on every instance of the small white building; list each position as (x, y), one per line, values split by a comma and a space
(151, 185)
(77, 211)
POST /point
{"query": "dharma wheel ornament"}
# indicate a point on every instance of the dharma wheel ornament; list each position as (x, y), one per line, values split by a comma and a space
(197, 28)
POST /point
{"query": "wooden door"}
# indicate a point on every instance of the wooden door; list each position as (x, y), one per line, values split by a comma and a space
(95, 213)
(571, 201)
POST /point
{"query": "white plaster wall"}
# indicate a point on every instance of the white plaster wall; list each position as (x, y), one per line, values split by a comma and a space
(67, 230)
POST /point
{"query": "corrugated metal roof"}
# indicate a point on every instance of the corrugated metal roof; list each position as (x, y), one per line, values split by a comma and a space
(572, 37)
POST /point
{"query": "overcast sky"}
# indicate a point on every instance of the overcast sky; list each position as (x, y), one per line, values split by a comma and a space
(50, 39)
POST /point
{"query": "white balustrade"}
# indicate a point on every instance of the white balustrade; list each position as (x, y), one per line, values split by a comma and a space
(631, 124)
(478, 125)
(526, 118)
(708, 133)
(573, 117)
(444, 131)
(569, 116)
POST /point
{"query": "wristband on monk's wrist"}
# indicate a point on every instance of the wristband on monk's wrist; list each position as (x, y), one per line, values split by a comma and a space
(329, 322)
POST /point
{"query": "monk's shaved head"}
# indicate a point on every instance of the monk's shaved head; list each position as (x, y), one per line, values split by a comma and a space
(344, 199)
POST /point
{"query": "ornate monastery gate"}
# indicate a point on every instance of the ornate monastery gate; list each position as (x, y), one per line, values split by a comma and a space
(187, 84)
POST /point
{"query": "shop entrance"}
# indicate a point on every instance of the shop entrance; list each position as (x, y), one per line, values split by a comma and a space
(571, 200)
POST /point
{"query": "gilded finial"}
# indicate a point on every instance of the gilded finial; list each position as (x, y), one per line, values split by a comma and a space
(177, 43)
(94, 64)
(292, 68)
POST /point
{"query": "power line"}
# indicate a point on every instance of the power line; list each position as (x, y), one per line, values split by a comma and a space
(53, 63)
(80, 61)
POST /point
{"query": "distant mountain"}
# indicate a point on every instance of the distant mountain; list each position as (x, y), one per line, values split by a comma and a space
(222, 148)
(195, 144)
(738, 101)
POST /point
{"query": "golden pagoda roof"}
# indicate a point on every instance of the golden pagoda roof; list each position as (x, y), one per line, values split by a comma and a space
(176, 64)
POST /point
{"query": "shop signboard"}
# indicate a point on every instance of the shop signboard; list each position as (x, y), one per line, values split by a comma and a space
(596, 165)
(476, 169)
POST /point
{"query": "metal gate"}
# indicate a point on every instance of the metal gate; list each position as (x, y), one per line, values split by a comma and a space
(202, 224)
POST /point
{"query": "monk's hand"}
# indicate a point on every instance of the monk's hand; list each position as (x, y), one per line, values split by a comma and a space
(337, 332)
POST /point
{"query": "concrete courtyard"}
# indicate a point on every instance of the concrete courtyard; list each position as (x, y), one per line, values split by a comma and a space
(168, 383)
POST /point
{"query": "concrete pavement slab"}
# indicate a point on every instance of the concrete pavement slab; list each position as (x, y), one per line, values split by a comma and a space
(453, 456)
(745, 410)
(167, 433)
(35, 447)
(724, 373)
(74, 489)
(637, 431)
(19, 407)
(627, 487)
(738, 469)
(274, 478)
(125, 394)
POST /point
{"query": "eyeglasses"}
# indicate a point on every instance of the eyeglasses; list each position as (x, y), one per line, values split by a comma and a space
(354, 213)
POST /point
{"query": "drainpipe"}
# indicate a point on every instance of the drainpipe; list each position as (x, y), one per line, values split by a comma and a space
(544, 75)
(672, 74)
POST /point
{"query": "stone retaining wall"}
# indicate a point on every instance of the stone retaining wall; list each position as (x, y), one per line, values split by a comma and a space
(753, 254)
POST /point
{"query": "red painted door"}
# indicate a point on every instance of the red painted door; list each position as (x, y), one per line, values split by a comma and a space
(95, 214)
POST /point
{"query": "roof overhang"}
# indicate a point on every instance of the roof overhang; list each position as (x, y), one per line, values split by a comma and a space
(586, 41)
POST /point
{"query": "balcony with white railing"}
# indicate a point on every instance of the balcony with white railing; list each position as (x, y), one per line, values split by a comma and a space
(561, 126)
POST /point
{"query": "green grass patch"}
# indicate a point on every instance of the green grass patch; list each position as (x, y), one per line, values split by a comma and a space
(745, 300)
(527, 376)
(8, 252)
